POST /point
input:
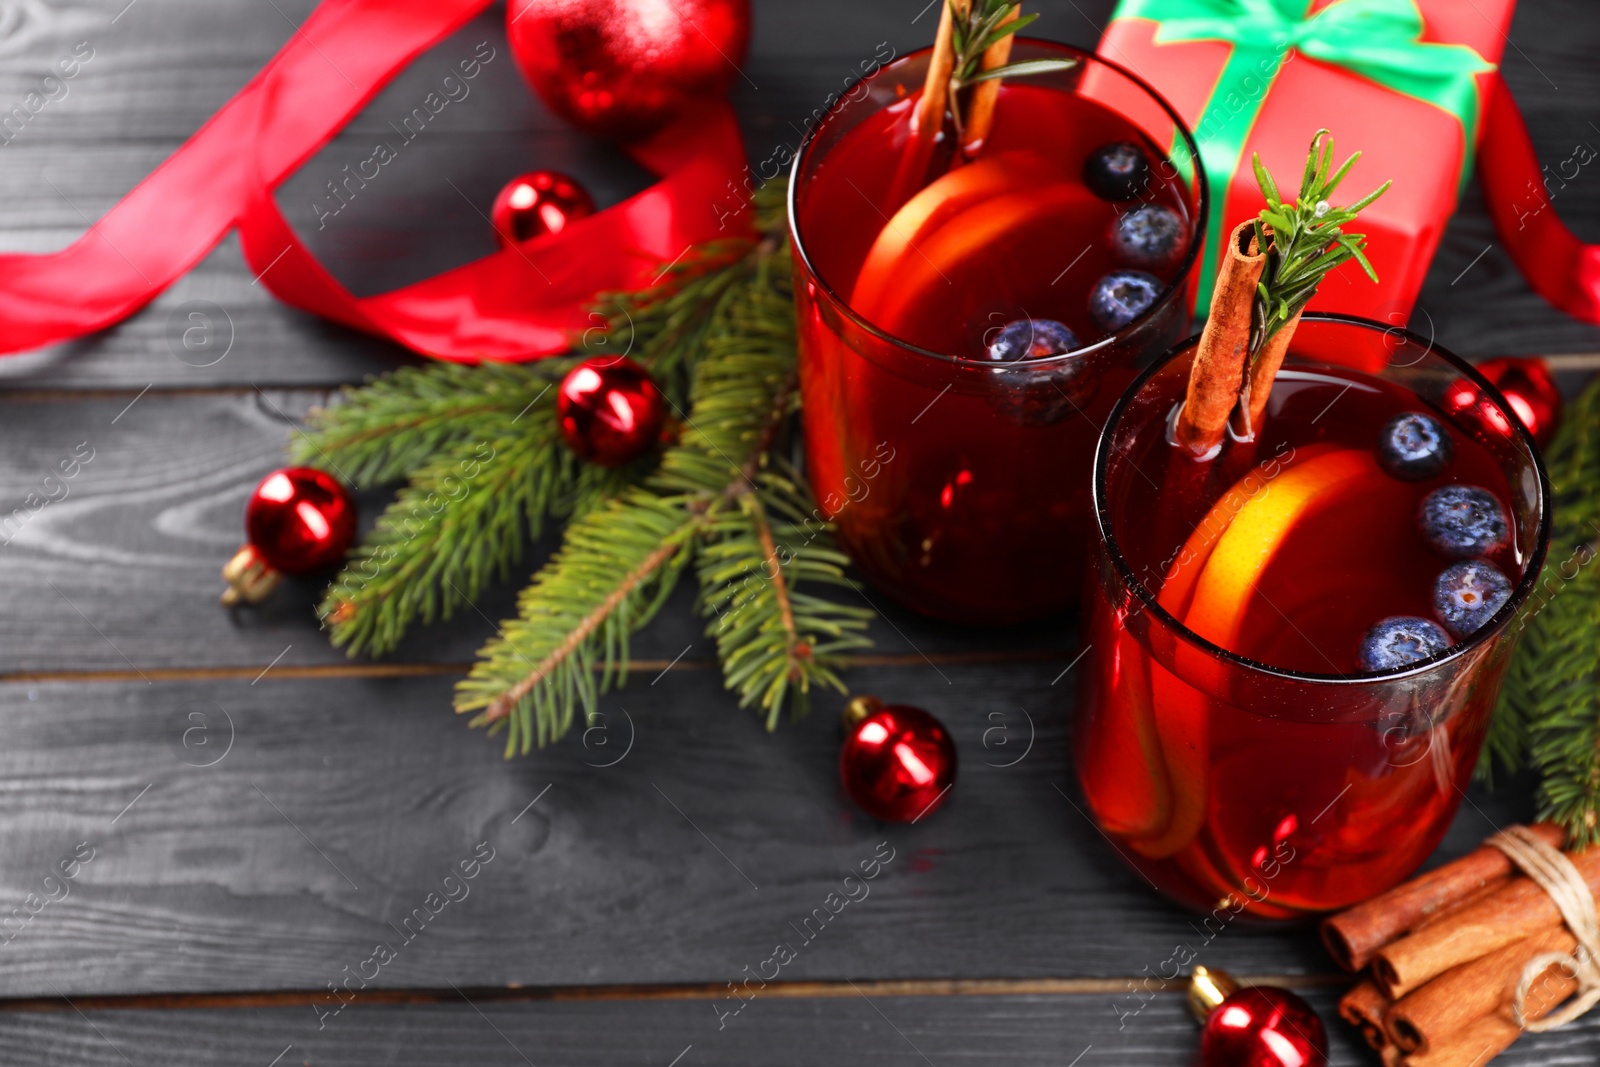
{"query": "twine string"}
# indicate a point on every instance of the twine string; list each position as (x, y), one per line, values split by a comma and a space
(1553, 872)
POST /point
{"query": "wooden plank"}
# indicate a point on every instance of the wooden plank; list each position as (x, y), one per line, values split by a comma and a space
(292, 823)
(168, 64)
(122, 572)
(894, 1031)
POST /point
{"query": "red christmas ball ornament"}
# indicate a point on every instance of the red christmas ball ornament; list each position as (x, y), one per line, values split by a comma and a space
(534, 204)
(1261, 1026)
(298, 521)
(624, 68)
(1530, 391)
(610, 410)
(898, 762)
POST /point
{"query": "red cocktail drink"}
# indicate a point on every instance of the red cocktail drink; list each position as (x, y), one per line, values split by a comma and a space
(1295, 649)
(963, 337)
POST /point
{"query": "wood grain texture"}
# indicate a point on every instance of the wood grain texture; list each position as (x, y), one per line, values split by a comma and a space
(272, 862)
(122, 572)
(894, 1031)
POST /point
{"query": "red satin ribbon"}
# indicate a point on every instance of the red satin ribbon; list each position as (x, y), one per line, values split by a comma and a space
(516, 304)
(1557, 265)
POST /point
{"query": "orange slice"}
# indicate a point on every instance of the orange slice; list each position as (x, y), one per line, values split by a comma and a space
(1306, 489)
(932, 207)
(990, 239)
(1124, 767)
(1120, 762)
(1211, 586)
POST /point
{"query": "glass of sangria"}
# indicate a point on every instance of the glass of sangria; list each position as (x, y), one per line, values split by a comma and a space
(963, 338)
(1294, 649)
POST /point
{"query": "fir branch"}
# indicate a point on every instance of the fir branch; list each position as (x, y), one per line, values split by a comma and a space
(462, 522)
(1549, 711)
(569, 641)
(713, 495)
(665, 325)
(387, 428)
(1305, 241)
(484, 458)
(776, 641)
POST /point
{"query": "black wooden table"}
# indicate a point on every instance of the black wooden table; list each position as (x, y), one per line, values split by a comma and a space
(263, 813)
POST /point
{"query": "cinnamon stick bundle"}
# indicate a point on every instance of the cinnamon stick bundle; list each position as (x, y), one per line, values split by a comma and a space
(1353, 936)
(1459, 940)
(1517, 910)
(1217, 375)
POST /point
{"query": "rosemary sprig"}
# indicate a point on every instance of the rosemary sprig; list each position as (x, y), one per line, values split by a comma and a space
(984, 24)
(976, 26)
(1305, 241)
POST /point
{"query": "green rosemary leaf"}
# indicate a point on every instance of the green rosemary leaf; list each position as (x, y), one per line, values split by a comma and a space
(1307, 239)
(1370, 197)
(1280, 223)
(1269, 188)
(1310, 173)
(1339, 175)
(1021, 70)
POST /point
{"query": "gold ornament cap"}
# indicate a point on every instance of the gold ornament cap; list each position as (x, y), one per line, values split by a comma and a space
(250, 580)
(1208, 989)
(859, 709)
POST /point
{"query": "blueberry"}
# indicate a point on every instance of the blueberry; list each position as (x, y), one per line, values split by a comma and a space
(1463, 521)
(1398, 641)
(1467, 594)
(1414, 446)
(1122, 296)
(1042, 394)
(1151, 235)
(1116, 171)
(1031, 339)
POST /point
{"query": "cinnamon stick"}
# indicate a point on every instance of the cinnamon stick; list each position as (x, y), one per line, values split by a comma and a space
(927, 118)
(1218, 371)
(1353, 936)
(1481, 1040)
(1447, 914)
(1364, 1007)
(1435, 1014)
(985, 95)
(1265, 370)
(1517, 910)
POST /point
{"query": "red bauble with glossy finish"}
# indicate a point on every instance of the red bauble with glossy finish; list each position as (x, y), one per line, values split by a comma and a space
(624, 68)
(539, 202)
(1263, 1027)
(898, 763)
(1531, 392)
(610, 410)
(300, 520)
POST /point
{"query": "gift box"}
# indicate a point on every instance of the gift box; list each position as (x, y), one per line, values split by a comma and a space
(1407, 82)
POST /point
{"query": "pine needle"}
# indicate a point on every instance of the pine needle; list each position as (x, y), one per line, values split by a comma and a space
(1549, 711)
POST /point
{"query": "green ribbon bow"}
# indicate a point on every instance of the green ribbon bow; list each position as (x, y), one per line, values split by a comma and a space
(1376, 39)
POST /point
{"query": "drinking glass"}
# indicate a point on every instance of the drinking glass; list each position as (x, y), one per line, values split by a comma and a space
(960, 487)
(1230, 783)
